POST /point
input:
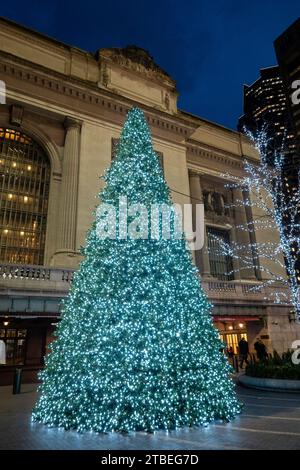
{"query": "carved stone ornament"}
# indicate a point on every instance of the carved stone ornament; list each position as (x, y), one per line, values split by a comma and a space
(138, 60)
(215, 207)
(104, 76)
(167, 101)
(16, 115)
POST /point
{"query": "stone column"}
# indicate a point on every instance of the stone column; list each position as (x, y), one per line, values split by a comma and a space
(243, 237)
(201, 256)
(66, 239)
(205, 258)
(235, 263)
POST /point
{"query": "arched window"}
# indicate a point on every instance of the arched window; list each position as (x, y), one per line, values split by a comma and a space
(24, 192)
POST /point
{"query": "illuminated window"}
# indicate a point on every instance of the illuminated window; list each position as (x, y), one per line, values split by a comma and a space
(24, 191)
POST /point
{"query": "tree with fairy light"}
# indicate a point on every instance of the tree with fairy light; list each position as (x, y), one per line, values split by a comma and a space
(136, 348)
(274, 205)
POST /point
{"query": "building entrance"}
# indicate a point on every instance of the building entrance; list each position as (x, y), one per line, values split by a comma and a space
(231, 332)
(233, 339)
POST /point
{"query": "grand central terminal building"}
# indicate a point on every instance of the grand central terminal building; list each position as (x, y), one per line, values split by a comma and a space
(59, 126)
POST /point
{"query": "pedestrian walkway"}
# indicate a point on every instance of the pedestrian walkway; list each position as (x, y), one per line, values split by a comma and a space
(269, 421)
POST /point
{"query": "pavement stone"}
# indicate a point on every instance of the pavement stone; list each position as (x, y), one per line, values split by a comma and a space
(269, 421)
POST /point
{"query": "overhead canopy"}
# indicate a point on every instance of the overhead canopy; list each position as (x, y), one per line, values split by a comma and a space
(225, 318)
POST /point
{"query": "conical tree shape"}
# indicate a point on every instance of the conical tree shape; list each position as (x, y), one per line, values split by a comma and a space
(136, 348)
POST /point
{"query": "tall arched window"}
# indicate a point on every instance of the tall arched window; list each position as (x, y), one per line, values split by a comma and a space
(24, 192)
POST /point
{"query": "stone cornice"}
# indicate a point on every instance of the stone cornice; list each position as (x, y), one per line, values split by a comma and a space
(211, 154)
(89, 93)
(33, 36)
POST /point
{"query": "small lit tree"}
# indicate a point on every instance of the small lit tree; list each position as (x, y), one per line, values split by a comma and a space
(275, 206)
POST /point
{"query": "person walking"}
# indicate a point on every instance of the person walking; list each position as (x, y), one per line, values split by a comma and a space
(230, 354)
(261, 350)
(244, 351)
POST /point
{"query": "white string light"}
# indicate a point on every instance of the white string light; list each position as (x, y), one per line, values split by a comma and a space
(136, 348)
(267, 189)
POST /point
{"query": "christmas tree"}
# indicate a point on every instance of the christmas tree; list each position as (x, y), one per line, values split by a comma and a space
(136, 348)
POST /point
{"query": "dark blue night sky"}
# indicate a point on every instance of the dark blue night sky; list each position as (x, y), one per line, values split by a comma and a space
(209, 47)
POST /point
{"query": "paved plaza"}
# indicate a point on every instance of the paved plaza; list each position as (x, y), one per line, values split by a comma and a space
(269, 421)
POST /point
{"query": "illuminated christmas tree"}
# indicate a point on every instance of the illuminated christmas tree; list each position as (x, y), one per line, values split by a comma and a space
(136, 348)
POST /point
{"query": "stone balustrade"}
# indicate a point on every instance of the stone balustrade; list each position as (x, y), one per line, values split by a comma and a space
(45, 278)
(243, 290)
(39, 273)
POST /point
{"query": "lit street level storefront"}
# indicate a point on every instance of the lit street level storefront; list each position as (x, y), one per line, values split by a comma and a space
(15, 341)
(233, 329)
(27, 337)
(26, 340)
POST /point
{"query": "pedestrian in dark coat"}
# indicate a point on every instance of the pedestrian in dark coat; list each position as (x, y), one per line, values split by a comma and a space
(261, 350)
(230, 352)
(244, 351)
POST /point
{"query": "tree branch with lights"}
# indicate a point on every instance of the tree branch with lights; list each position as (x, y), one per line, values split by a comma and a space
(274, 205)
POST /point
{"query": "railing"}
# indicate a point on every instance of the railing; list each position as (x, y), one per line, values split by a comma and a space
(252, 288)
(213, 288)
(40, 273)
(233, 287)
(243, 289)
(220, 286)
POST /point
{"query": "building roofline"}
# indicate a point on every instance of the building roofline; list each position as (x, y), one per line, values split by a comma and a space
(184, 114)
(270, 67)
(44, 36)
(199, 118)
(286, 31)
(260, 70)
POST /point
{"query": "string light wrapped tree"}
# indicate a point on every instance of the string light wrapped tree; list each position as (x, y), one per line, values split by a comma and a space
(136, 348)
